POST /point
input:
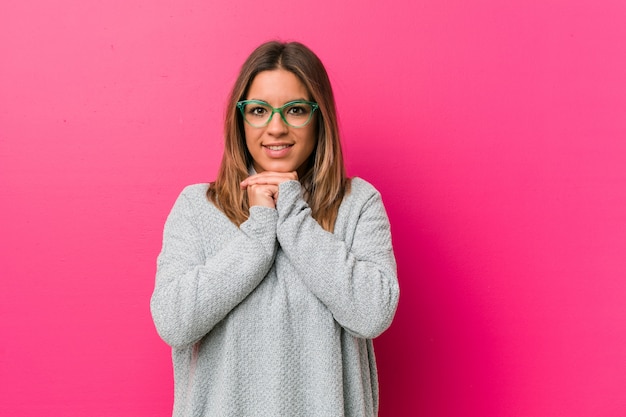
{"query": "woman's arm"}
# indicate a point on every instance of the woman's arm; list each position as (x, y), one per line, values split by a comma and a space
(193, 293)
(358, 284)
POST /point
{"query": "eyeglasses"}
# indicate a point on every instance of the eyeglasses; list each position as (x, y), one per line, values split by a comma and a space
(257, 113)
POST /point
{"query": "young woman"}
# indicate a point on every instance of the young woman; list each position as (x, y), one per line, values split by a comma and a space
(274, 279)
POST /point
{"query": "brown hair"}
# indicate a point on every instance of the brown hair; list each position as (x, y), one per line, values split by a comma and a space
(325, 181)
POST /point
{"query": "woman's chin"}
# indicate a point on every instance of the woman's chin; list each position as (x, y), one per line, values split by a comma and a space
(274, 168)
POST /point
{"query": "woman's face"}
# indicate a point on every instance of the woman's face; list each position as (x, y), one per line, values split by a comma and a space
(277, 146)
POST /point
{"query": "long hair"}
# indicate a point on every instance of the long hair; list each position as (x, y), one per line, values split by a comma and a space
(324, 182)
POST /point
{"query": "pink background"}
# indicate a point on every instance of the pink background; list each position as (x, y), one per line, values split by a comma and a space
(494, 129)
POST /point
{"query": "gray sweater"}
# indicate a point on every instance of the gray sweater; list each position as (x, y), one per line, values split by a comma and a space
(275, 317)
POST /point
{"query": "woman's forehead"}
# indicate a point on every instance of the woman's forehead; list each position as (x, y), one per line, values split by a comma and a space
(277, 87)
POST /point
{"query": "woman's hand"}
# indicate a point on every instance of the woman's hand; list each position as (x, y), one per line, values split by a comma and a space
(263, 188)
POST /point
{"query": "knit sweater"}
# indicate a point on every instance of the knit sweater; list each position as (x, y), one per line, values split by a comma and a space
(275, 317)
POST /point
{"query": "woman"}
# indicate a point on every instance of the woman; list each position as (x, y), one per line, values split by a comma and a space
(274, 279)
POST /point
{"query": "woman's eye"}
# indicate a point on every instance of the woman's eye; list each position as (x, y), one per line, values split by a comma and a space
(296, 110)
(257, 111)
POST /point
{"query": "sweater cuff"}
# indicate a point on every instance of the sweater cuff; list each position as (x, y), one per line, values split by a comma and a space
(261, 226)
(290, 194)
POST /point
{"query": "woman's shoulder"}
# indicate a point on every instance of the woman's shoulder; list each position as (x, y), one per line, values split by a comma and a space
(361, 188)
(359, 194)
(194, 195)
(195, 190)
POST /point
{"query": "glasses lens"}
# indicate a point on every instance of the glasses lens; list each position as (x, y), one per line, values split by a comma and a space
(298, 114)
(256, 114)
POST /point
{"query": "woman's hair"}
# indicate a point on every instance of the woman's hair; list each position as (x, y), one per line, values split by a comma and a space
(325, 181)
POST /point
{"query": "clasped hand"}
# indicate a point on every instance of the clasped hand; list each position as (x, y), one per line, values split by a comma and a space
(262, 188)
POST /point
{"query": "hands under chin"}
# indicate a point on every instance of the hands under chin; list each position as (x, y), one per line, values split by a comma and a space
(262, 188)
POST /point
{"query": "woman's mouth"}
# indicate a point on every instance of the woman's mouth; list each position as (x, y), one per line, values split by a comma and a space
(277, 147)
(278, 151)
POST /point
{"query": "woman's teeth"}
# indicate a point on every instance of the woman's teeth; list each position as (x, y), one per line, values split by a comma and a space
(277, 148)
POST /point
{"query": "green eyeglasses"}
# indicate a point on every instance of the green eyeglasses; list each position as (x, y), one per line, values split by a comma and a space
(257, 113)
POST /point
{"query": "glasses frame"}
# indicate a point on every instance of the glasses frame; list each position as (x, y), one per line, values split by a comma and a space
(279, 110)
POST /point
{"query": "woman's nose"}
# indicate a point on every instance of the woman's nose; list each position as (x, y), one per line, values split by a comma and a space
(277, 125)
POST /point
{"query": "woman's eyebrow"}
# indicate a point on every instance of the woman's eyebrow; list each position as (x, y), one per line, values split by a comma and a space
(288, 101)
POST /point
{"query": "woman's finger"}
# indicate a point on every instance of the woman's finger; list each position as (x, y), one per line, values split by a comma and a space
(262, 195)
(269, 178)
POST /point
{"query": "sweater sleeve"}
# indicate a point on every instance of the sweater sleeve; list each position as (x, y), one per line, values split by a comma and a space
(194, 292)
(358, 284)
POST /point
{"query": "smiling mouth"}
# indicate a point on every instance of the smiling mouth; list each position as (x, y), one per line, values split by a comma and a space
(277, 147)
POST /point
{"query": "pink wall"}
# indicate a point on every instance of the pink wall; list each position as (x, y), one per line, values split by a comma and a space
(495, 130)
